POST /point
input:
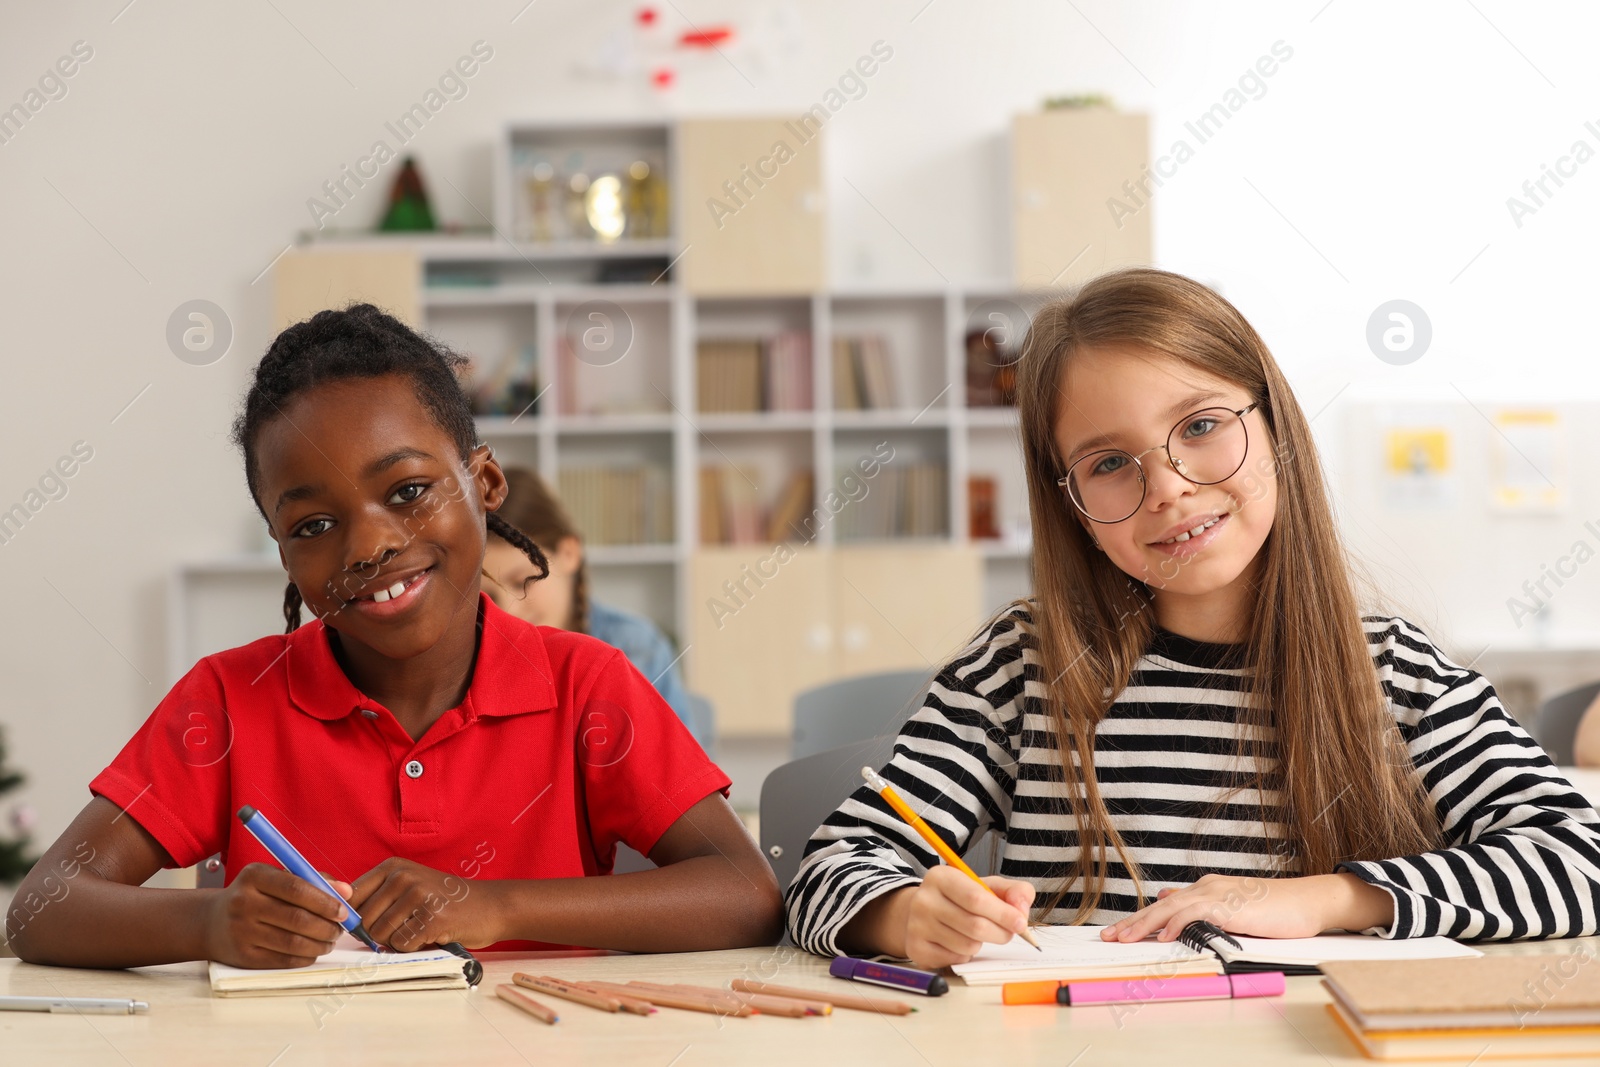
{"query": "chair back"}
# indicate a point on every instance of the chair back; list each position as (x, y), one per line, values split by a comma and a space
(1555, 726)
(855, 709)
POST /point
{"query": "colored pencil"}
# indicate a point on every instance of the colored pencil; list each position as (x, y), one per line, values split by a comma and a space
(838, 1000)
(567, 992)
(629, 1004)
(517, 998)
(669, 999)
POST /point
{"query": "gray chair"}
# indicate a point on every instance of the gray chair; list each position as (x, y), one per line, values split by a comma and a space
(702, 719)
(798, 796)
(855, 709)
(1555, 726)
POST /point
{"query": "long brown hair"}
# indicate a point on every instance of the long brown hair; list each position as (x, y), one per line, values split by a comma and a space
(531, 507)
(1347, 787)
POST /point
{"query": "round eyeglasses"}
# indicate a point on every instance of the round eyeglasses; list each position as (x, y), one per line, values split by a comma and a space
(1205, 447)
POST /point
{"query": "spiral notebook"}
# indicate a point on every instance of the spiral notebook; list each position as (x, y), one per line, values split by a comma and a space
(350, 968)
(1076, 953)
(1305, 955)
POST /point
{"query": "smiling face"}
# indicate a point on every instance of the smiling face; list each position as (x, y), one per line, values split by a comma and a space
(378, 521)
(1129, 399)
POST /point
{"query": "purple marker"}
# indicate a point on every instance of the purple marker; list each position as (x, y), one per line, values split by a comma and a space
(885, 974)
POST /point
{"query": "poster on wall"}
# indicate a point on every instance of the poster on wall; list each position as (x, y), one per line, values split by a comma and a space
(1419, 467)
(1528, 462)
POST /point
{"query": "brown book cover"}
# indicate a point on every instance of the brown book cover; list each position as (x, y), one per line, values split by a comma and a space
(846, 381)
(1544, 989)
(787, 520)
(712, 525)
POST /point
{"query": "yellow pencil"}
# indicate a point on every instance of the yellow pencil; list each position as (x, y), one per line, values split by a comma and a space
(876, 781)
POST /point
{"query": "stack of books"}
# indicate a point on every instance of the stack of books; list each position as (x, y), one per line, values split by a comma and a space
(619, 505)
(755, 375)
(863, 374)
(1493, 1007)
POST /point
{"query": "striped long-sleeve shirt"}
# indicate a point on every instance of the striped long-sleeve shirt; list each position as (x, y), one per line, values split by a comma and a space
(1177, 766)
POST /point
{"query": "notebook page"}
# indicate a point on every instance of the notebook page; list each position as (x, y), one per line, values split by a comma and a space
(1314, 950)
(1066, 947)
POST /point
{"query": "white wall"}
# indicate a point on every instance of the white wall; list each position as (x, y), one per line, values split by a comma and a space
(1376, 165)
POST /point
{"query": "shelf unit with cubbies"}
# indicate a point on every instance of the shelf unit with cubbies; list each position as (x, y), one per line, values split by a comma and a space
(594, 346)
(642, 406)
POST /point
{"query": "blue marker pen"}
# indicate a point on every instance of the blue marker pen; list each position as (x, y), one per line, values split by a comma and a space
(295, 863)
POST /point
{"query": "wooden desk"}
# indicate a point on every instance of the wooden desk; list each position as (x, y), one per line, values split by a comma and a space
(966, 1028)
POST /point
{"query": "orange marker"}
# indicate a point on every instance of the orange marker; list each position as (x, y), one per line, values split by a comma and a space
(876, 781)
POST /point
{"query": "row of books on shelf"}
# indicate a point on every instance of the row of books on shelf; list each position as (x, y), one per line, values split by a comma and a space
(743, 375)
(903, 500)
(620, 505)
(772, 374)
(863, 374)
(732, 510)
(633, 505)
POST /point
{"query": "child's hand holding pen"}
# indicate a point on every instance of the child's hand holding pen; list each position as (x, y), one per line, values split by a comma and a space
(267, 917)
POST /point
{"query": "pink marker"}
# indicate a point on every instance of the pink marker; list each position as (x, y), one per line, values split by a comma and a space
(1139, 990)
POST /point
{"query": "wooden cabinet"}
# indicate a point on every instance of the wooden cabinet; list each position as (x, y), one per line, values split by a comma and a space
(310, 280)
(750, 204)
(1072, 216)
(764, 624)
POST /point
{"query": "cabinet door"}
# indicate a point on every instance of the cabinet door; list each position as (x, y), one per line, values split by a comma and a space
(904, 606)
(750, 206)
(1072, 217)
(311, 280)
(752, 648)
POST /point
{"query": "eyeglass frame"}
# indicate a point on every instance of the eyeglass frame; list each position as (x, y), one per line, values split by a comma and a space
(1166, 446)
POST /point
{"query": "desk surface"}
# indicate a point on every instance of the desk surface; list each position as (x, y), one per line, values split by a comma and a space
(967, 1027)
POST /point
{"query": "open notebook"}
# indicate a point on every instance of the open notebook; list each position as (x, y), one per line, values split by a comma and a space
(350, 968)
(1076, 953)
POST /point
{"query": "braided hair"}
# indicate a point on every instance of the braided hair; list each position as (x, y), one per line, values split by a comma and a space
(532, 506)
(360, 341)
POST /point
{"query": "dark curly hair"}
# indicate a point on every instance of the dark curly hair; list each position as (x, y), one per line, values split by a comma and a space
(360, 341)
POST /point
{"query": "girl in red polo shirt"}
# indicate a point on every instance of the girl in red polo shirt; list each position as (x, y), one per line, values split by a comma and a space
(458, 772)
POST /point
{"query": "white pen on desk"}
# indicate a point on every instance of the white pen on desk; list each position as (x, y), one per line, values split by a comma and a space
(76, 1005)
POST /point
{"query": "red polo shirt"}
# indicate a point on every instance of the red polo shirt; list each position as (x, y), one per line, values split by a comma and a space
(560, 750)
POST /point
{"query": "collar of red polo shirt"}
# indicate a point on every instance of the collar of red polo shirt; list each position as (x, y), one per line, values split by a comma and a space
(512, 674)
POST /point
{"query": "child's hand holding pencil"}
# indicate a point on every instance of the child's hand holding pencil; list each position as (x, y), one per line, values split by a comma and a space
(953, 912)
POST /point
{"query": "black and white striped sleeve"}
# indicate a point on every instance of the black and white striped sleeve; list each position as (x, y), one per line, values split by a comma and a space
(1522, 855)
(954, 762)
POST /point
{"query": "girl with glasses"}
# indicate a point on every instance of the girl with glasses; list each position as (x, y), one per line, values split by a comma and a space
(1191, 718)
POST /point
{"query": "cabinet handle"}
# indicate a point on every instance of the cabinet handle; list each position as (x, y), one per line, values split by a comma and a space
(820, 637)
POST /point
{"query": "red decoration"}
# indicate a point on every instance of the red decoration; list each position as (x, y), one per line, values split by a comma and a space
(646, 16)
(662, 78)
(707, 38)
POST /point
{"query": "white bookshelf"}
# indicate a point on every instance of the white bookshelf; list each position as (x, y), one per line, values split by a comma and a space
(490, 295)
(925, 332)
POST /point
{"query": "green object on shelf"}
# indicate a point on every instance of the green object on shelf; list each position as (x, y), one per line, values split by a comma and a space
(408, 202)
